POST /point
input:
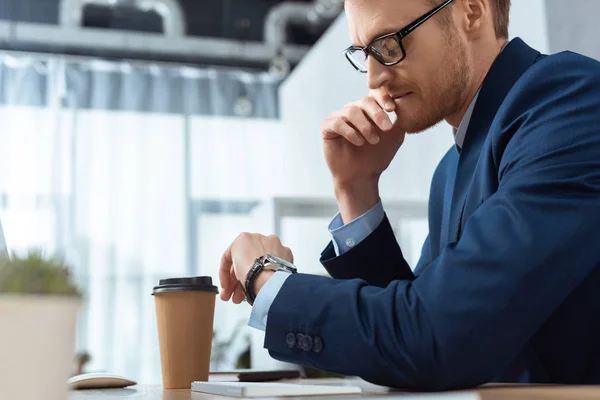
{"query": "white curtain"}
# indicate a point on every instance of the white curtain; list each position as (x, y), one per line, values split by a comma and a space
(132, 173)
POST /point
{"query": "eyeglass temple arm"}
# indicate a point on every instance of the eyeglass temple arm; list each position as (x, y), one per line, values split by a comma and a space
(423, 19)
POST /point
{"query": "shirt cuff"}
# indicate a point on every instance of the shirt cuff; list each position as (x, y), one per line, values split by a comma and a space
(346, 237)
(264, 299)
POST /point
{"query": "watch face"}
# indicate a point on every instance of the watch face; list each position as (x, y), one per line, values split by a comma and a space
(276, 260)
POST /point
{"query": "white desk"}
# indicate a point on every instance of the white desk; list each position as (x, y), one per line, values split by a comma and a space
(491, 392)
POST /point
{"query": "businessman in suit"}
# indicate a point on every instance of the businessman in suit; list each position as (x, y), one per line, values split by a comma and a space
(508, 284)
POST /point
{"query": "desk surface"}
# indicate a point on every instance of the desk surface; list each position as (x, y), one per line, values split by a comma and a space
(493, 392)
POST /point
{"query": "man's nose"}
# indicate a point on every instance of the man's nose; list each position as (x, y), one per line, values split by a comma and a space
(377, 73)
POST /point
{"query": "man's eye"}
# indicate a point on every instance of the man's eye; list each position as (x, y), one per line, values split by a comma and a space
(388, 48)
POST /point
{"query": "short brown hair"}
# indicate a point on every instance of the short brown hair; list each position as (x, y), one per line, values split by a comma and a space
(500, 13)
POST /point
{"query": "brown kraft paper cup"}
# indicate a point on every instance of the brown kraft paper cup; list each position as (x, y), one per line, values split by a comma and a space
(185, 309)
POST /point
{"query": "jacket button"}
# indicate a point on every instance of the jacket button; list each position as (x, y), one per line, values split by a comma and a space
(299, 340)
(317, 344)
(307, 343)
(290, 340)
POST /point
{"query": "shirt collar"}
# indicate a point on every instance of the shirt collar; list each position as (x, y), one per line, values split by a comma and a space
(461, 132)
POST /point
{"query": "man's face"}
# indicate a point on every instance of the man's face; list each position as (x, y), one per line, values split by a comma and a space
(435, 72)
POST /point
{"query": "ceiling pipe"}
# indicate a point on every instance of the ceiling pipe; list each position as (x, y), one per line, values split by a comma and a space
(94, 42)
(312, 15)
(71, 13)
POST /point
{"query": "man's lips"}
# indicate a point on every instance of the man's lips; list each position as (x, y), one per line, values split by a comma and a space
(400, 95)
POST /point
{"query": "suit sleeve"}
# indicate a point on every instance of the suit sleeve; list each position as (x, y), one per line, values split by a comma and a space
(471, 310)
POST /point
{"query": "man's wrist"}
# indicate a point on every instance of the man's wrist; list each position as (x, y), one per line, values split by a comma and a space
(262, 279)
(356, 198)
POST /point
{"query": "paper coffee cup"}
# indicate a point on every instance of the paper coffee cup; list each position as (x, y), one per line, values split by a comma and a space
(185, 309)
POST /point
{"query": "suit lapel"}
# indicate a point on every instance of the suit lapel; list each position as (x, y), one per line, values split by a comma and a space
(514, 60)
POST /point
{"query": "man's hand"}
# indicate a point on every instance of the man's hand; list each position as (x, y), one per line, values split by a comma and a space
(239, 258)
(359, 143)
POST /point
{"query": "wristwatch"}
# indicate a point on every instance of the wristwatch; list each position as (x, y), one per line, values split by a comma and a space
(269, 262)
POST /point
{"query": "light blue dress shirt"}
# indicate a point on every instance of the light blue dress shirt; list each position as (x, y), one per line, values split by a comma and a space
(344, 238)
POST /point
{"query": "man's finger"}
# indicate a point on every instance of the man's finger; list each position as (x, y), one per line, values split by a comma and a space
(238, 295)
(358, 118)
(225, 274)
(384, 100)
(376, 113)
(229, 287)
(339, 127)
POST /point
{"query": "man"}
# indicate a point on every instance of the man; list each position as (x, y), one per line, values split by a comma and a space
(508, 284)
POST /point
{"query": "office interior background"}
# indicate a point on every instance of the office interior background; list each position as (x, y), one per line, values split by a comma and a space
(138, 138)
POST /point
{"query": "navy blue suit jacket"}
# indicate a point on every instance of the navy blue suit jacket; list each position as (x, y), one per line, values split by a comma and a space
(508, 284)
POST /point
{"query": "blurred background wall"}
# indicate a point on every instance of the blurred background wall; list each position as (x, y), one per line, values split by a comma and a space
(138, 146)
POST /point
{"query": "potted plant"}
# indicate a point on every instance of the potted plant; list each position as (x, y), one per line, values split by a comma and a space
(38, 312)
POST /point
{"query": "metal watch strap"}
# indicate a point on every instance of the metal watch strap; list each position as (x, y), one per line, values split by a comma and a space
(257, 267)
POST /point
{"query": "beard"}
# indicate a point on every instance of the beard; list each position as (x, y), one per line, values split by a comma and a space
(444, 94)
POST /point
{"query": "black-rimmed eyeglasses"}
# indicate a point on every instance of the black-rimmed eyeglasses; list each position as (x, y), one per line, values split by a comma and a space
(387, 49)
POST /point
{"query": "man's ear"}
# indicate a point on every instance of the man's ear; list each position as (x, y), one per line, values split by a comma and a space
(475, 15)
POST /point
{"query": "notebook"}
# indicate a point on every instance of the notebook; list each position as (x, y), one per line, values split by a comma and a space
(270, 389)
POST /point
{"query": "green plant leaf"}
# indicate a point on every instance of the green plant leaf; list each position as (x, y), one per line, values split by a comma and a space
(36, 274)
